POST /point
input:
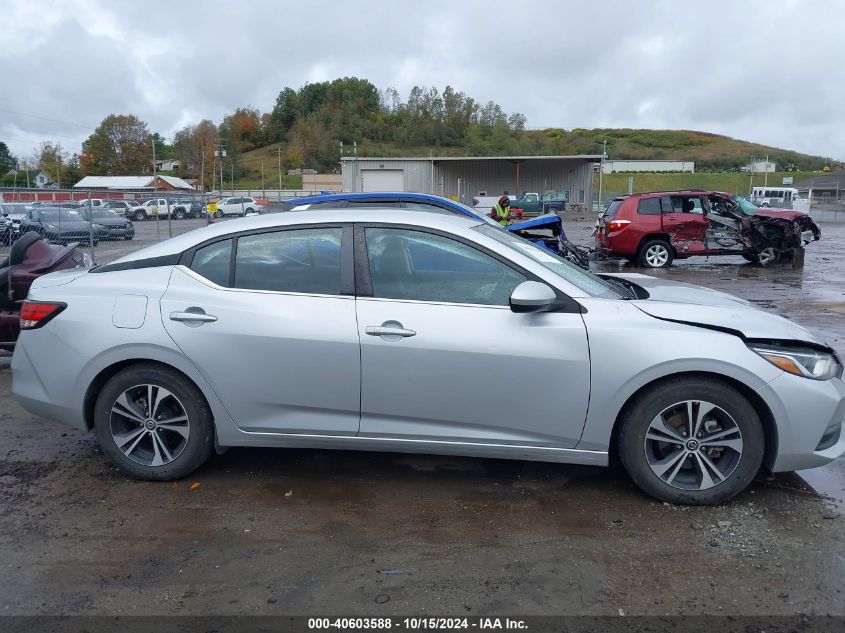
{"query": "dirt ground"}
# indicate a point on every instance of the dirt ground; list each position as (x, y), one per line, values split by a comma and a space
(278, 532)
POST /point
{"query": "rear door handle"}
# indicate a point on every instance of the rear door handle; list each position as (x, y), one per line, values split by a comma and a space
(192, 316)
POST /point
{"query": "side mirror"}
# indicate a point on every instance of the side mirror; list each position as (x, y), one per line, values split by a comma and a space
(532, 296)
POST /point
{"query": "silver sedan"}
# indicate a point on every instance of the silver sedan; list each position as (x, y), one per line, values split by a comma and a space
(407, 331)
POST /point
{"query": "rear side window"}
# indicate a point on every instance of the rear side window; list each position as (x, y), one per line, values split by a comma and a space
(300, 260)
(613, 208)
(213, 262)
(649, 206)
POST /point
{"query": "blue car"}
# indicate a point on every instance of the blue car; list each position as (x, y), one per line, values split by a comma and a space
(545, 230)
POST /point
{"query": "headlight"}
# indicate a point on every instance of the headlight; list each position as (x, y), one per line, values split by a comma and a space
(801, 361)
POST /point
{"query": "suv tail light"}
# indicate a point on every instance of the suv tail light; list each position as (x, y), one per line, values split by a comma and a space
(618, 225)
(34, 314)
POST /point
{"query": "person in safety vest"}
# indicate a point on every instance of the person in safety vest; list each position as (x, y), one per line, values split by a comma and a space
(501, 211)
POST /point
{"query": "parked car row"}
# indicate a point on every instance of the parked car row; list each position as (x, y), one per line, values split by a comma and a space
(63, 225)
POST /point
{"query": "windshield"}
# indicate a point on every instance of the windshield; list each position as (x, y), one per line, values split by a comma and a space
(745, 205)
(476, 213)
(60, 215)
(104, 213)
(14, 209)
(582, 279)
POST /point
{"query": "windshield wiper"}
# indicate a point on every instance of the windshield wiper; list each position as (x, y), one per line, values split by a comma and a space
(626, 291)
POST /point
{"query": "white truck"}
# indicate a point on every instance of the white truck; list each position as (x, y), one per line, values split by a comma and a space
(156, 207)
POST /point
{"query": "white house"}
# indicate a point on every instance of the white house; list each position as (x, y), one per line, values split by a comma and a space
(168, 164)
(761, 167)
(33, 178)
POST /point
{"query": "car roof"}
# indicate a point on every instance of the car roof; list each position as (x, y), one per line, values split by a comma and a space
(371, 195)
(180, 243)
(695, 192)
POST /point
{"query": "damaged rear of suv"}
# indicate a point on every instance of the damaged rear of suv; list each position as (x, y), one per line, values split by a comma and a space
(653, 229)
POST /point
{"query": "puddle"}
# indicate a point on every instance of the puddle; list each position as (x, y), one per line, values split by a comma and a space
(828, 481)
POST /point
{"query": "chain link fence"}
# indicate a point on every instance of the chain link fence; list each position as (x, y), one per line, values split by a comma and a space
(113, 223)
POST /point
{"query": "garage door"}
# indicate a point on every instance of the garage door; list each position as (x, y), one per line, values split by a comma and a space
(383, 180)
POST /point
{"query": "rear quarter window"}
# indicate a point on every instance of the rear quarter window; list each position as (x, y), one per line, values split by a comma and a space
(613, 208)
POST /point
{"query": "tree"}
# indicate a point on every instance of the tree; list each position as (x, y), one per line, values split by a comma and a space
(120, 146)
(49, 158)
(7, 161)
(194, 146)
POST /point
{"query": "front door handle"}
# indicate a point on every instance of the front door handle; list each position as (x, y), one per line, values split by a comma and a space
(389, 331)
(192, 316)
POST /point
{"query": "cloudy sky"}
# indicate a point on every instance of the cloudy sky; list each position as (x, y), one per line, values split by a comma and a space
(769, 71)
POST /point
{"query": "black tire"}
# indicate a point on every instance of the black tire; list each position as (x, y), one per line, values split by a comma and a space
(249, 210)
(180, 214)
(634, 453)
(139, 216)
(649, 257)
(200, 441)
(751, 257)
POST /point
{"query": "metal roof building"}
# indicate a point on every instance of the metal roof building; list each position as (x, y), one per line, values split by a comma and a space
(466, 177)
(138, 183)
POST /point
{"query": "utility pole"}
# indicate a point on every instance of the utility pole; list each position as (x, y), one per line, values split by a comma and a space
(766, 172)
(279, 152)
(59, 163)
(601, 171)
(263, 190)
(202, 171)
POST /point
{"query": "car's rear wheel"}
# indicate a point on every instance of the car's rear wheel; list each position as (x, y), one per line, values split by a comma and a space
(138, 216)
(153, 423)
(180, 214)
(656, 254)
(693, 441)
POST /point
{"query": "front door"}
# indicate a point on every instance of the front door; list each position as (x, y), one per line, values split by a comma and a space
(685, 222)
(272, 327)
(444, 358)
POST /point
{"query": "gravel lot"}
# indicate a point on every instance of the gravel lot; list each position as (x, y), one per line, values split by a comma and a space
(278, 532)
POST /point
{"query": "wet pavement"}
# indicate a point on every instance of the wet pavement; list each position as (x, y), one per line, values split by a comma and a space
(275, 532)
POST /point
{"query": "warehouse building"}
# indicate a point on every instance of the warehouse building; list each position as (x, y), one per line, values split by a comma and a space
(463, 178)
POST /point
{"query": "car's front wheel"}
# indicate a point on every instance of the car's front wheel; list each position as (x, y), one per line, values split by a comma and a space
(153, 423)
(656, 254)
(694, 441)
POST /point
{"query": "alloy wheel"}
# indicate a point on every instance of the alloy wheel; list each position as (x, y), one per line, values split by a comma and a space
(767, 256)
(693, 445)
(149, 425)
(656, 255)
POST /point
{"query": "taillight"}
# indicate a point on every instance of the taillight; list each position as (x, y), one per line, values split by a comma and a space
(34, 314)
(618, 225)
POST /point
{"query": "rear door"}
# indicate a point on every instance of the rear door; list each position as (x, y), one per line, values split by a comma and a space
(269, 319)
(685, 222)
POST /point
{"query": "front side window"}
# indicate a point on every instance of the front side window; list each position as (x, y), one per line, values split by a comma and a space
(418, 266)
(297, 260)
(583, 280)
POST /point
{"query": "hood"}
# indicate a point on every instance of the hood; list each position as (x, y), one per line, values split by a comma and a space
(688, 303)
(541, 221)
(786, 214)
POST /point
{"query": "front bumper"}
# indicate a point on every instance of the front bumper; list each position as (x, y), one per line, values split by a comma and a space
(806, 411)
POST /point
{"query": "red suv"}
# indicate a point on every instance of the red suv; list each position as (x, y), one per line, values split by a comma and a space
(652, 229)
